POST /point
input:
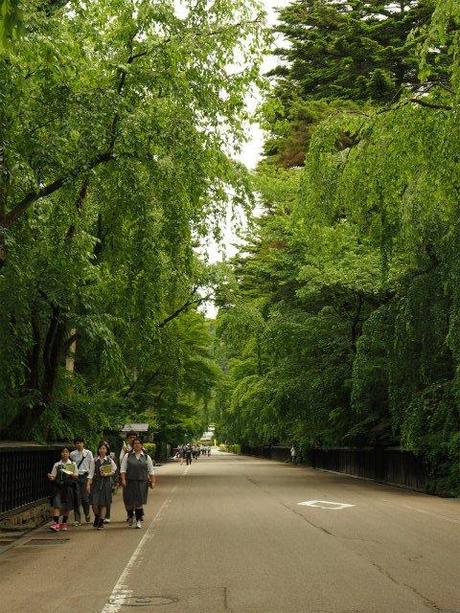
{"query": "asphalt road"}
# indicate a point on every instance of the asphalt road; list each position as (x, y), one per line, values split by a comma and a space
(228, 534)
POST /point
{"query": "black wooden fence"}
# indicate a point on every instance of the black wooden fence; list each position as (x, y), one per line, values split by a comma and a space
(23, 475)
(390, 465)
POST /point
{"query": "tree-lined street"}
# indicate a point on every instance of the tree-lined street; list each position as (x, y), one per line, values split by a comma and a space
(228, 534)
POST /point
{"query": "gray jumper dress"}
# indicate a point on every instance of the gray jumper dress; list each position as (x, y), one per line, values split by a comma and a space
(137, 481)
(63, 490)
(101, 487)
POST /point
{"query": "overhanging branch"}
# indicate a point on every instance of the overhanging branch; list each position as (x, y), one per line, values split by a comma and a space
(47, 190)
(183, 308)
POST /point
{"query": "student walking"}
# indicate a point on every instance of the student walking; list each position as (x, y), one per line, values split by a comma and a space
(128, 445)
(63, 475)
(99, 484)
(114, 482)
(137, 475)
(188, 452)
(82, 458)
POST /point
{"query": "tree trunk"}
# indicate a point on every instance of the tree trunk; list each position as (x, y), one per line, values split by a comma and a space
(52, 353)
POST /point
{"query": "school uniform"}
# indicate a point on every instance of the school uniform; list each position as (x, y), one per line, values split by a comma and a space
(138, 468)
(82, 459)
(63, 486)
(101, 486)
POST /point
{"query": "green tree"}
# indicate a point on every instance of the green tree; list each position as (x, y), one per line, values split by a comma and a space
(352, 272)
(116, 122)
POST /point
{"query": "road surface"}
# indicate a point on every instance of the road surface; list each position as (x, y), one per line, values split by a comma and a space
(228, 534)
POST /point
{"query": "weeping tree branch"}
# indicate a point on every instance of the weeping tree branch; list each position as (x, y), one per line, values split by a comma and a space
(105, 156)
(33, 196)
(47, 190)
(181, 309)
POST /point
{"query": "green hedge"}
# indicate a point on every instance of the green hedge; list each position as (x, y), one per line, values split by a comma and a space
(231, 448)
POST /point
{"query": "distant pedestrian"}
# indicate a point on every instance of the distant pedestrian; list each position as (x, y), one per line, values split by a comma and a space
(63, 475)
(99, 486)
(137, 475)
(82, 458)
(188, 452)
(293, 455)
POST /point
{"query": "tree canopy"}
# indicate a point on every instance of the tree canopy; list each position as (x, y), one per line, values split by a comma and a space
(339, 320)
(118, 119)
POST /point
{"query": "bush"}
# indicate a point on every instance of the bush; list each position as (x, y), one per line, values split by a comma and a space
(150, 448)
(231, 448)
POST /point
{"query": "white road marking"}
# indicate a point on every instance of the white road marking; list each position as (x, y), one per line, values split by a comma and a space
(324, 504)
(121, 592)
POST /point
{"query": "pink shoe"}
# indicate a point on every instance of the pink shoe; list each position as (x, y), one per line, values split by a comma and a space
(63, 527)
(55, 527)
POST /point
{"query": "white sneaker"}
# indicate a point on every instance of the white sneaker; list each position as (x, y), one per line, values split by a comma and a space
(107, 521)
(138, 524)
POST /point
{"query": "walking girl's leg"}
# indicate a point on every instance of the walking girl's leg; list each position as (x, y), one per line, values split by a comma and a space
(139, 515)
(102, 512)
(96, 512)
(55, 514)
(85, 498)
(65, 518)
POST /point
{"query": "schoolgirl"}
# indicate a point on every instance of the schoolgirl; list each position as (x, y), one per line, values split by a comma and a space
(63, 475)
(137, 475)
(101, 470)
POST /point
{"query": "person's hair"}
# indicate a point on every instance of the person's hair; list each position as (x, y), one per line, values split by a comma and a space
(78, 439)
(138, 439)
(105, 444)
(65, 447)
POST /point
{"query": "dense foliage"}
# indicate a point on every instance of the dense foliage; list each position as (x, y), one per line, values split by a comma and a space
(117, 118)
(340, 316)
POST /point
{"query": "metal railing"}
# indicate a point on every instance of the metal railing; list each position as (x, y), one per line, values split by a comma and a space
(389, 465)
(23, 475)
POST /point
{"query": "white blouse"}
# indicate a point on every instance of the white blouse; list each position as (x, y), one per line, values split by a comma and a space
(124, 463)
(60, 463)
(92, 467)
(86, 456)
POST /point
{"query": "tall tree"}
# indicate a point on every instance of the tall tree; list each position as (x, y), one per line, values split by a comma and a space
(117, 120)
